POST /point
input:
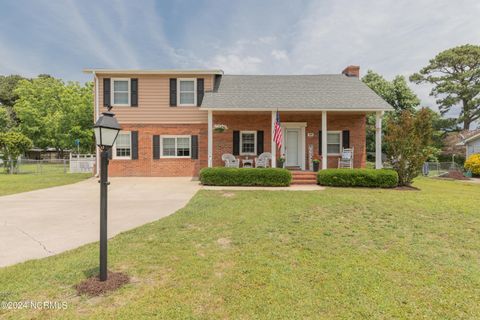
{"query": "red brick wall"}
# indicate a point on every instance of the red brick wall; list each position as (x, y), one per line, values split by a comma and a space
(355, 122)
(223, 142)
(244, 121)
(145, 165)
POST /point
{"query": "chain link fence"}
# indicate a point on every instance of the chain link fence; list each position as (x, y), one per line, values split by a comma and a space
(75, 164)
(439, 169)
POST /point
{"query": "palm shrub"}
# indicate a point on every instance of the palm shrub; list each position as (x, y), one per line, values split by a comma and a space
(408, 139)
(473, 164)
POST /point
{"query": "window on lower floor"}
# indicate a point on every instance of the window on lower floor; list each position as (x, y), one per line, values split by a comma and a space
(334, 142)
(123, 146)
(248, 142)
(176, 147)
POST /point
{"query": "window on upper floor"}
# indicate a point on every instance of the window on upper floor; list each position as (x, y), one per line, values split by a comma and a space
(120, 92)
(187, 92)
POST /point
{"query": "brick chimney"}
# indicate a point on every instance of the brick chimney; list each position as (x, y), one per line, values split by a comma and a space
(352, 71)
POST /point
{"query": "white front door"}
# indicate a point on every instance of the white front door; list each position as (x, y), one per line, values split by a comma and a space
(292, 158)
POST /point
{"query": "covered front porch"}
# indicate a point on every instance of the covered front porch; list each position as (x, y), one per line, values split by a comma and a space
(306, 136)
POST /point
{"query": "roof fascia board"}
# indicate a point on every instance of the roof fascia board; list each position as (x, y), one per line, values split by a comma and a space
(126, 71)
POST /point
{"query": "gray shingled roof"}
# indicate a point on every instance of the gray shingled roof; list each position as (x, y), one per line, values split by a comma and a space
(322, 92)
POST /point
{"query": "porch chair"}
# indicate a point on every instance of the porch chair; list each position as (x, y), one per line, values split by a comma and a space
(230, 161)
(262, 161)
(346, 159)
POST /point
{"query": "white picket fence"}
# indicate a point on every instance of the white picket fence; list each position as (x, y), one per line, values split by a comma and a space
(82, 163)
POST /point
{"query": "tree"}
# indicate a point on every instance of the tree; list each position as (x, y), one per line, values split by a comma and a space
(408, 143)
(455, 76)
(13, 144)
(8, 96)
(4, 119)
(54, 114)
(396, 93)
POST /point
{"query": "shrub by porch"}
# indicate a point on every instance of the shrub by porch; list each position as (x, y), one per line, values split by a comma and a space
(269, 177)
(370, 178)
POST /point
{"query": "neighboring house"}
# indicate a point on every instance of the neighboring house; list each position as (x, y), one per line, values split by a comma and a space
(472, 144)
(167, 117)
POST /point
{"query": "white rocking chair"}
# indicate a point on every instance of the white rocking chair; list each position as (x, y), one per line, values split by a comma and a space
(346, 159)
(262, 161)
(230, 161)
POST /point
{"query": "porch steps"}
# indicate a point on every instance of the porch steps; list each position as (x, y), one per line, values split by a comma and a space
(303, 177)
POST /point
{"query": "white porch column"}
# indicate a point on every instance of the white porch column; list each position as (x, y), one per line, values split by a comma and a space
(273, 144)
(210, 138)
(324, 140)
(378, 140)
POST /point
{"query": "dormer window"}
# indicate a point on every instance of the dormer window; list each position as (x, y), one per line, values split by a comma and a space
(187, 92)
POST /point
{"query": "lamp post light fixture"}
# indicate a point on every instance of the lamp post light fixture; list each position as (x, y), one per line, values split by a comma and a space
(106, 132)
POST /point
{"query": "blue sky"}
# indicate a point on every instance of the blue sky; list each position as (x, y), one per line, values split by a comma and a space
(241, 37)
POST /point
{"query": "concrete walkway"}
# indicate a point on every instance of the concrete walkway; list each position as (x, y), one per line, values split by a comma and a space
(44, 222)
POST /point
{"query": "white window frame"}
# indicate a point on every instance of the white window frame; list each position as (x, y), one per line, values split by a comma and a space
(254, 153)
(114, 147)
(194, 92)
(176, 146)
(340, 143)
(112, 92)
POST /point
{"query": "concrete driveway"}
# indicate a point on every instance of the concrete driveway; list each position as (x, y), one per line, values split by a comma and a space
(45, 222)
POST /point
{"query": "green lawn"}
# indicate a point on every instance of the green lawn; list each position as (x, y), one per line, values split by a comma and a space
(338, 253)
(15, 183)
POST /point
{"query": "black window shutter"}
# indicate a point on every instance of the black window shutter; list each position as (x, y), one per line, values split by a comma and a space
(106, 92)
(259, 142)
(236, 143)
(345, 139)
(194, 147)
(156, 147)
(110, 153)
(134, 92)
(320, 142)
(173, 92)
(134, 136)
(200, 91)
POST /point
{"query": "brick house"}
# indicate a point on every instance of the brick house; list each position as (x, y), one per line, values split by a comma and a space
(168, 118)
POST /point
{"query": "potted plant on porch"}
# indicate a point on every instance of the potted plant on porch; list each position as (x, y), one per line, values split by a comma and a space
(280, 162)
(316, 164)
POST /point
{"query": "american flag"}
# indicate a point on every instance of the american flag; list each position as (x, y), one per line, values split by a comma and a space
(277, 132)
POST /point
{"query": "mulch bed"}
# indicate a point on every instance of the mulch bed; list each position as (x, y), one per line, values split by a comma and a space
(455, 174)
(94, 287)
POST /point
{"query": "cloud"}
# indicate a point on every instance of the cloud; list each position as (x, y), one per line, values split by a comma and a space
(264, 37)
(279, 54)
(235, 64)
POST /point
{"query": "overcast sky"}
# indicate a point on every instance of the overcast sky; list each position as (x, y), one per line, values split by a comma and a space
(241, 37)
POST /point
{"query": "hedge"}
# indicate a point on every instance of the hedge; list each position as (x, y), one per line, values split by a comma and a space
(272, 177)
(358, 178)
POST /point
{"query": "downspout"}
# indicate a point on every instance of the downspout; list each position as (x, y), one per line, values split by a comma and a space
(97, 115)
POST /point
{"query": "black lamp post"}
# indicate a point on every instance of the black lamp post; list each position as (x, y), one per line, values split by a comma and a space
(106, 131)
